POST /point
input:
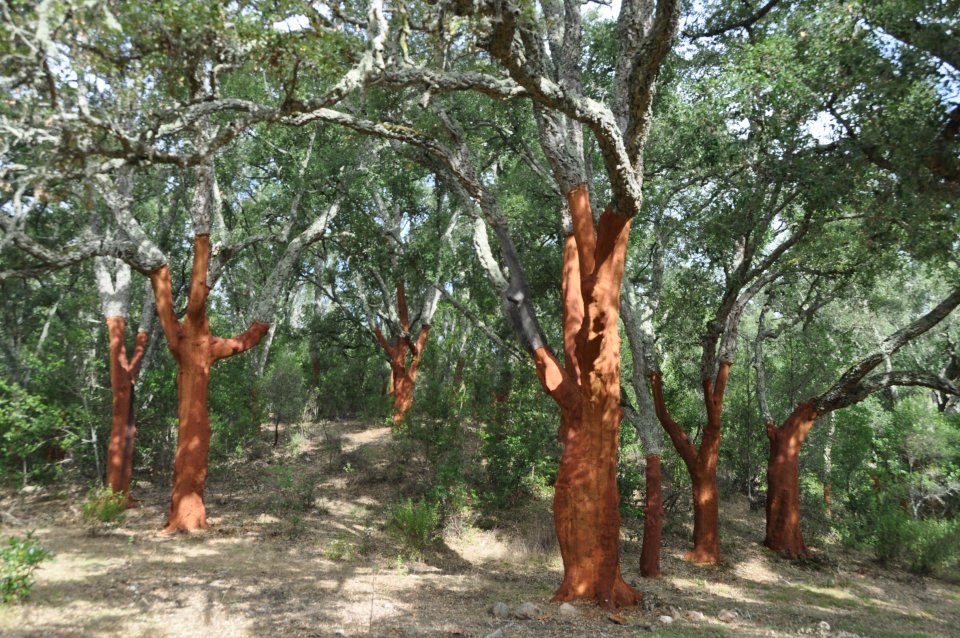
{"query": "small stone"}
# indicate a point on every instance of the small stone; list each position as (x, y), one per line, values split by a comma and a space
(824, 626)
(500, 610)
(526, 611)
(694, 615)
(666, 620)
(569, 611)
(497, 633)
(727, 615)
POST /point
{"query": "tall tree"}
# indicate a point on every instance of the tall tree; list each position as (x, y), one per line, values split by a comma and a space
(856, 384)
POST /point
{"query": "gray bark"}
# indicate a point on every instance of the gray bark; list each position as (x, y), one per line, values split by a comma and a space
(854, 385)
(113, 286)
(638, 323)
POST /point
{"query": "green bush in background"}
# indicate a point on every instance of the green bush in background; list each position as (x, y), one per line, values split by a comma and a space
(21, 557)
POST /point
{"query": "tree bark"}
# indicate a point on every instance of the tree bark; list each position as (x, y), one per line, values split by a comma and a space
(653, 519)
(701, 464)
(403, 375)
(783, 481)
(195, 351)
(640, 337)
(586, 505)
(123, 429)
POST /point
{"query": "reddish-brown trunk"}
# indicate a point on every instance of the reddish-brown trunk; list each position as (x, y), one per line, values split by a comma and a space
(783, 481)
(403, 375)
(458, 372)
(701, 463)
(586, 504)
(706, 516)
(195, 351)
(123, 428)
(827, 502)
(653, 520)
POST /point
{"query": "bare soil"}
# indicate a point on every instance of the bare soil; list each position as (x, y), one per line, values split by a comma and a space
(273, 565)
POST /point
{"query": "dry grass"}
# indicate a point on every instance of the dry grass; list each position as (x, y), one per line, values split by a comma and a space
(334, 568)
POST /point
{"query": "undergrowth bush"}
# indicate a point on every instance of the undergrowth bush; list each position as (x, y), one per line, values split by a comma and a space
(20, 558)
(289, 493)
(932, 544)
(519, 442)
(104, 507)
(415, 524)
(926, 545)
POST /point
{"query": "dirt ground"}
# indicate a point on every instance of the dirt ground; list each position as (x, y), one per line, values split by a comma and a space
(330, 568)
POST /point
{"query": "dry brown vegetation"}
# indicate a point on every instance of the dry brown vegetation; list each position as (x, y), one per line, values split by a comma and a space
(268, 568)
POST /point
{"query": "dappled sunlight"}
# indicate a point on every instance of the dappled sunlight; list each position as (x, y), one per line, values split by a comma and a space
(755, 569)
(335, 566)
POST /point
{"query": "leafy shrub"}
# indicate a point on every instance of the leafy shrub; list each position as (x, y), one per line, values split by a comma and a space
(415, 524)
(29, 426)
(932, 544)
(519, 441)
(283, 389)
(289, 493)
(926, 545)
(20, 558)
(105, 507)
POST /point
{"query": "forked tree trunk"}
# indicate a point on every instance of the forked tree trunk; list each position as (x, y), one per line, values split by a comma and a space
(653, 519)
(701, 464)
(195, 351)
(783, 481)
(586, 504)
(403, 374)
(123, 429)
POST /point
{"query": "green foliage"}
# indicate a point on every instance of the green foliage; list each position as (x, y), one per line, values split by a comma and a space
(519, 443)
(925, 545)
(29, 425)
(104, 507)
(415, 524)
(21, 557)
(283, 388)
(288, 492)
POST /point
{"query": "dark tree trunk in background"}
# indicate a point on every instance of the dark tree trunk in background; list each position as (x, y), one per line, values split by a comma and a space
(653, 519)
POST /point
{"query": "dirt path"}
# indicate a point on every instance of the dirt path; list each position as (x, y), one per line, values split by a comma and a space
(270, 566)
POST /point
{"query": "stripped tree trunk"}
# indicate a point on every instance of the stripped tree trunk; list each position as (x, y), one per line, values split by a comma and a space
(586, 504)
(783, 481)
(639, 329)
(195, 351)
(653, 519)
(123, 373)
(701, 464)
(113, 287)
(853, 386)
(403, 374)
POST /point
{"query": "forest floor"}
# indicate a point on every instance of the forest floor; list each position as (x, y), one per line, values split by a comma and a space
(269, 566)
